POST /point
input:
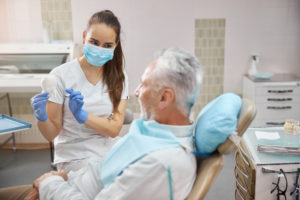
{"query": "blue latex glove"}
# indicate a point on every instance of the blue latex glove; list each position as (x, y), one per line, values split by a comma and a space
(75, 105)
(38, 103)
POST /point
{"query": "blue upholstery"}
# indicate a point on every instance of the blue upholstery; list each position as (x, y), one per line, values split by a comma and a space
(216, 122)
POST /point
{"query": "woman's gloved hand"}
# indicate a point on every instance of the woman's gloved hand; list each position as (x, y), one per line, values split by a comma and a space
(38, 103)
(75, 105)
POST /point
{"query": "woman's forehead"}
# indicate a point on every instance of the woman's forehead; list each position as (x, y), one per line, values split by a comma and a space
(102, 32)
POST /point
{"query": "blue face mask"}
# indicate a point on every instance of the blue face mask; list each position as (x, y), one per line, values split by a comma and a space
(97, 56)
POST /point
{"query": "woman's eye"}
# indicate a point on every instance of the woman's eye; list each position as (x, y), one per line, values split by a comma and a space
(108, 46)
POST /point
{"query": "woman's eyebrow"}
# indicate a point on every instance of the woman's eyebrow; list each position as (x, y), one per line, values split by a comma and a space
(94, 39)
(111, 43)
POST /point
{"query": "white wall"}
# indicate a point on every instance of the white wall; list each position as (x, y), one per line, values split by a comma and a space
(270, 28)
(20, 21)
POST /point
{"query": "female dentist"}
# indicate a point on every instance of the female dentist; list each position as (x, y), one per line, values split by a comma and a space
(87, 108)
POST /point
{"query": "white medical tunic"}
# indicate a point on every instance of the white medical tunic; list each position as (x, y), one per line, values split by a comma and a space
(146, 179)
(77, 141)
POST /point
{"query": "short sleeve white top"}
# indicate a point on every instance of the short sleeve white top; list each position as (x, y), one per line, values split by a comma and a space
(77, 141)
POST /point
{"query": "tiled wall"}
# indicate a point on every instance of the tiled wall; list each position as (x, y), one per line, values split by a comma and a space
(57, 19)
(209, 49)
(133, 104)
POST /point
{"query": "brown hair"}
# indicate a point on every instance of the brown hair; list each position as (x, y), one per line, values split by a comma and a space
(113, 75)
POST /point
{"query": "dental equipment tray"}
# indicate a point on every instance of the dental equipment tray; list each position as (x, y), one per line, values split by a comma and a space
(10, 124)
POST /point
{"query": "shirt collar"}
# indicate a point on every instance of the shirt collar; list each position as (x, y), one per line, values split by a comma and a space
(184, 134)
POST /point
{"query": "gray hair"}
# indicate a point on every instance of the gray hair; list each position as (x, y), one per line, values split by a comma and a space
(181, 71)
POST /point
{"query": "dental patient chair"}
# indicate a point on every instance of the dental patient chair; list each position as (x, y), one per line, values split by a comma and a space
(209, 167)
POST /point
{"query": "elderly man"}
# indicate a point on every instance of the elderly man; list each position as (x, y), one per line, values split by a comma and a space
(154, 160)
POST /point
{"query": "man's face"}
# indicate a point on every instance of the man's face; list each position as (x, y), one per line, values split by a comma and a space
(146, 93)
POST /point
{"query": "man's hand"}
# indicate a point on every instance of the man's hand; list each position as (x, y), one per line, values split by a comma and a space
(37, 182)
(32, 195)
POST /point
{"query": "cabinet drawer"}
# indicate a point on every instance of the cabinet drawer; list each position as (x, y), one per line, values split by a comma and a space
(244, 172)
(264, 181)
(278, 99)
(242, 157)
(242, 193)
(274, 111)
(238, 195)
(278, 90)
(268, 122)
(245, 180)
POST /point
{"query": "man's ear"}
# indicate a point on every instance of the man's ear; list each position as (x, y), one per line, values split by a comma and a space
(167, 97)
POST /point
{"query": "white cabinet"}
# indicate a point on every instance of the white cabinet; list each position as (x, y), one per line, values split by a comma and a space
(276, 99)
(256, 172)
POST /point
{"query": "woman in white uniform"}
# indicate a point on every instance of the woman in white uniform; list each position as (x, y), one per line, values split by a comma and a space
(86, 111)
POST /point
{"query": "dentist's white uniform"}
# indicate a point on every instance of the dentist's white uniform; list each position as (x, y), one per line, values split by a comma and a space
(145, 179)
(77, 142)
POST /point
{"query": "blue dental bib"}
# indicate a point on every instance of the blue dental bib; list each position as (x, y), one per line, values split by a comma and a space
(143, 137)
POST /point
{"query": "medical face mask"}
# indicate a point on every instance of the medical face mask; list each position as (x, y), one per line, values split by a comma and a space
(97, 56)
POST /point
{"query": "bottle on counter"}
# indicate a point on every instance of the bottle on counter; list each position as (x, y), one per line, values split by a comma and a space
(253, 66)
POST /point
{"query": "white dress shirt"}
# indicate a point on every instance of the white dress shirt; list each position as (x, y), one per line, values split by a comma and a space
(145, 179)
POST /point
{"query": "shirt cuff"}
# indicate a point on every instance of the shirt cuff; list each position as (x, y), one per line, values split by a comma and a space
(48, 180)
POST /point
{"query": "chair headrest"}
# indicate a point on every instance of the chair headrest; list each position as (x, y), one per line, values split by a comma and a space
(216, 122)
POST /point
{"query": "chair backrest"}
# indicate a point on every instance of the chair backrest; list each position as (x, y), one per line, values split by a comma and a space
(207, 171)
(209, 167)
